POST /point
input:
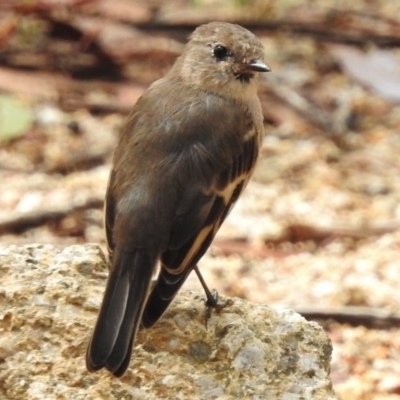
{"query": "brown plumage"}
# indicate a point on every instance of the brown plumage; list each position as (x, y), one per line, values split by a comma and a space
(186, 152)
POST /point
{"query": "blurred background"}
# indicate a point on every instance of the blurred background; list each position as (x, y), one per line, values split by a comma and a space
(318, 228)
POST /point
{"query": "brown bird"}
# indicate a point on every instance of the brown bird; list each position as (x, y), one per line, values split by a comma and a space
(186, 152)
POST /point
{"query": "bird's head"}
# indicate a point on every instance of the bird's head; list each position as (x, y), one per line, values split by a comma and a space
(224, 58)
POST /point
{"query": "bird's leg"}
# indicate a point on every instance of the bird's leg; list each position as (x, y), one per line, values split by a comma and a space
(212, 297)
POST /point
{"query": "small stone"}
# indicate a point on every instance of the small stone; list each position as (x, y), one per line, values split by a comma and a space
(200, 351)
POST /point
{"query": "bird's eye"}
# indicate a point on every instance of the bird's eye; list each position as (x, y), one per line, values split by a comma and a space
(220, 52)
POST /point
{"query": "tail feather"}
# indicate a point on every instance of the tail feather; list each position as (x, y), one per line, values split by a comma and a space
(119, 370)
(121, 310)
(162, 295)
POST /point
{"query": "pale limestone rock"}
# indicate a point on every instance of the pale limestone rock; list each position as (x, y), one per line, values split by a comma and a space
(48, 304)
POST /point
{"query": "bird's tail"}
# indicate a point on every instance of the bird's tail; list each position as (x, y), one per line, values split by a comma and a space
(162, 294)
(120, 313)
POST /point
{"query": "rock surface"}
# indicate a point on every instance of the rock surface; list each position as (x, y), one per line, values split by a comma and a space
(49, 300)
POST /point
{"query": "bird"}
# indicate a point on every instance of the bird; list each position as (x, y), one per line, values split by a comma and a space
(186, 152)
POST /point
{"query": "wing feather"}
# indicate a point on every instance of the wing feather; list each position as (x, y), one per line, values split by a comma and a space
(177, 263)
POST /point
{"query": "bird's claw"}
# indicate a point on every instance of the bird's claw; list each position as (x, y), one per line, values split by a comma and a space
(212, 303)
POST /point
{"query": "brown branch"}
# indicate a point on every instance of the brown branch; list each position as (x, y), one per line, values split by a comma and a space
(307, 110)
(355, 316)
(298, 232)
(324, 24)
(18, 221)
(301, 233)
(323, 30)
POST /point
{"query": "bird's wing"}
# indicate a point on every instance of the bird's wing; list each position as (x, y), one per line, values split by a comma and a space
(200, 213)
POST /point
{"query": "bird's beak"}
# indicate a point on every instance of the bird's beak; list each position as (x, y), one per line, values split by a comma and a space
(257, 66)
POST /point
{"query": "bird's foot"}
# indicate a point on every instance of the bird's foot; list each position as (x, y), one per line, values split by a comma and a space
(212, 303)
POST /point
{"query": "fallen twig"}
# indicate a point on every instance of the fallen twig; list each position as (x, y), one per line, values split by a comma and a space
(20, 221)
(365, 316)
(309, 111)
